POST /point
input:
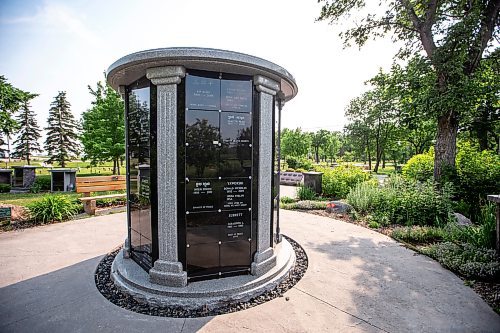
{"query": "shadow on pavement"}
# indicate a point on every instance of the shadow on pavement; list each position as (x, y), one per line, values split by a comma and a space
(67, 300)
(398, 290)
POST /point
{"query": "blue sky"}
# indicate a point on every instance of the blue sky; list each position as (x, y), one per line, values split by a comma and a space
(53, 45)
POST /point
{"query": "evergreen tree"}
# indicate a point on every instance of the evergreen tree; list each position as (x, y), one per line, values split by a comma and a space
(29, 132)
(62, 132)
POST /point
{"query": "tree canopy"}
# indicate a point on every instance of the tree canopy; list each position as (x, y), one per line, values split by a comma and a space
(453, 35)
(103, 127)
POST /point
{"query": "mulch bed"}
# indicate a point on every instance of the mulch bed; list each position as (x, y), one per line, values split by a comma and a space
(489, 291)
(20, 222)
(108, 289)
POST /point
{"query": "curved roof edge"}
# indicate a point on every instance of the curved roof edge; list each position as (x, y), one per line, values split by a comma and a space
(133, 66)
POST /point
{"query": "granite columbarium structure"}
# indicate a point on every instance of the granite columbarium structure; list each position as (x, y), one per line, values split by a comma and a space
(202, 145)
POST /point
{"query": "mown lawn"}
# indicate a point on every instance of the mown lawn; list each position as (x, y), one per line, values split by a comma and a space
(23, 199)
(85, 169)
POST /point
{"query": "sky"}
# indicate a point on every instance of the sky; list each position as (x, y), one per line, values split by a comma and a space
(54, 45)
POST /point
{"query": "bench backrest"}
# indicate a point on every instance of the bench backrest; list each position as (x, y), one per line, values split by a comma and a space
(100, 184)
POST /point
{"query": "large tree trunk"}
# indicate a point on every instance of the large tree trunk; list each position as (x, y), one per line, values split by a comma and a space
(446, 144)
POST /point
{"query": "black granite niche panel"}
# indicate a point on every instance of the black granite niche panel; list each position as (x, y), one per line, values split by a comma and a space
(236, 95)
(202, 144)
(235, 256)
(236, 193)
(203, 227)
(202, 93)
(218, 170)
(202, 195)
(236, 151)
(236, 226)
(139, 108)
(203, 259)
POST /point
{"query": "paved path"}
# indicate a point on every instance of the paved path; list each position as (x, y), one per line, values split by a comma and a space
(357, 281)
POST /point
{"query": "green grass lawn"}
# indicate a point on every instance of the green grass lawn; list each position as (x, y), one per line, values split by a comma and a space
(23, 199)
(104, 169)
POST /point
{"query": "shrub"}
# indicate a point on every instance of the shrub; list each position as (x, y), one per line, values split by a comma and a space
(364, 197)
(482, 235)
(4, 188)
(298, 163)
(337, 182)
(419, 235)
(478, 175)
(373, 225)
(53, 207)
(420, 167)
(292, 162)
(467, 260)
(403, 202)
(286, 200)
(42, 183)
(306, 193)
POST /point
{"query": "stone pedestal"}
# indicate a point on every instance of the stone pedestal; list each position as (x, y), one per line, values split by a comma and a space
(314, 180)
(167, 270)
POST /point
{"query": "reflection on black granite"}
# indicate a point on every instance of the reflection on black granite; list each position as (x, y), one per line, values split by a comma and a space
(218, 156)
(202, 144)
(202, 93)
(236, 95)
(138, 135)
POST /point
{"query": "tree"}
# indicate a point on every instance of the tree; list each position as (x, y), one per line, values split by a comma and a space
(29, 131)
(453, 35)
(294, 143)
(359, 130)
(319, 140)
(484, 123)
(11, 99)
(372, 117)
(62, 132)
(332, 147)
(103, 127)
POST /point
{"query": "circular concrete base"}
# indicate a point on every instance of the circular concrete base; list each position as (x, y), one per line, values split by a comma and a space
(131, 279)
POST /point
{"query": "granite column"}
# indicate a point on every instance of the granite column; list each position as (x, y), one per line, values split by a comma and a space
(265, 257)
(167, 270)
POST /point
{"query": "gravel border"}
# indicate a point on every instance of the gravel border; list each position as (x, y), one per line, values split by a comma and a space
(108, 289)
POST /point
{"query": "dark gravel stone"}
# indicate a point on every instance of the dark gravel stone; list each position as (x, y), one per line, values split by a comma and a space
(108, 289)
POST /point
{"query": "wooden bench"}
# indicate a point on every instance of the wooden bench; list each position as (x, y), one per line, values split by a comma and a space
(87, 185)
(291, 178)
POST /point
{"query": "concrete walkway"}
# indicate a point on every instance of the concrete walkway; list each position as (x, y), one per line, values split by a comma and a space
(357, 281)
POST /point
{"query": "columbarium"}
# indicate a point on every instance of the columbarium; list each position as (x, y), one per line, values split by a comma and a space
(202, 150)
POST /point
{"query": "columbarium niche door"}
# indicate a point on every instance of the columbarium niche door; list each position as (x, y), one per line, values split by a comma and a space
(218, 171)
